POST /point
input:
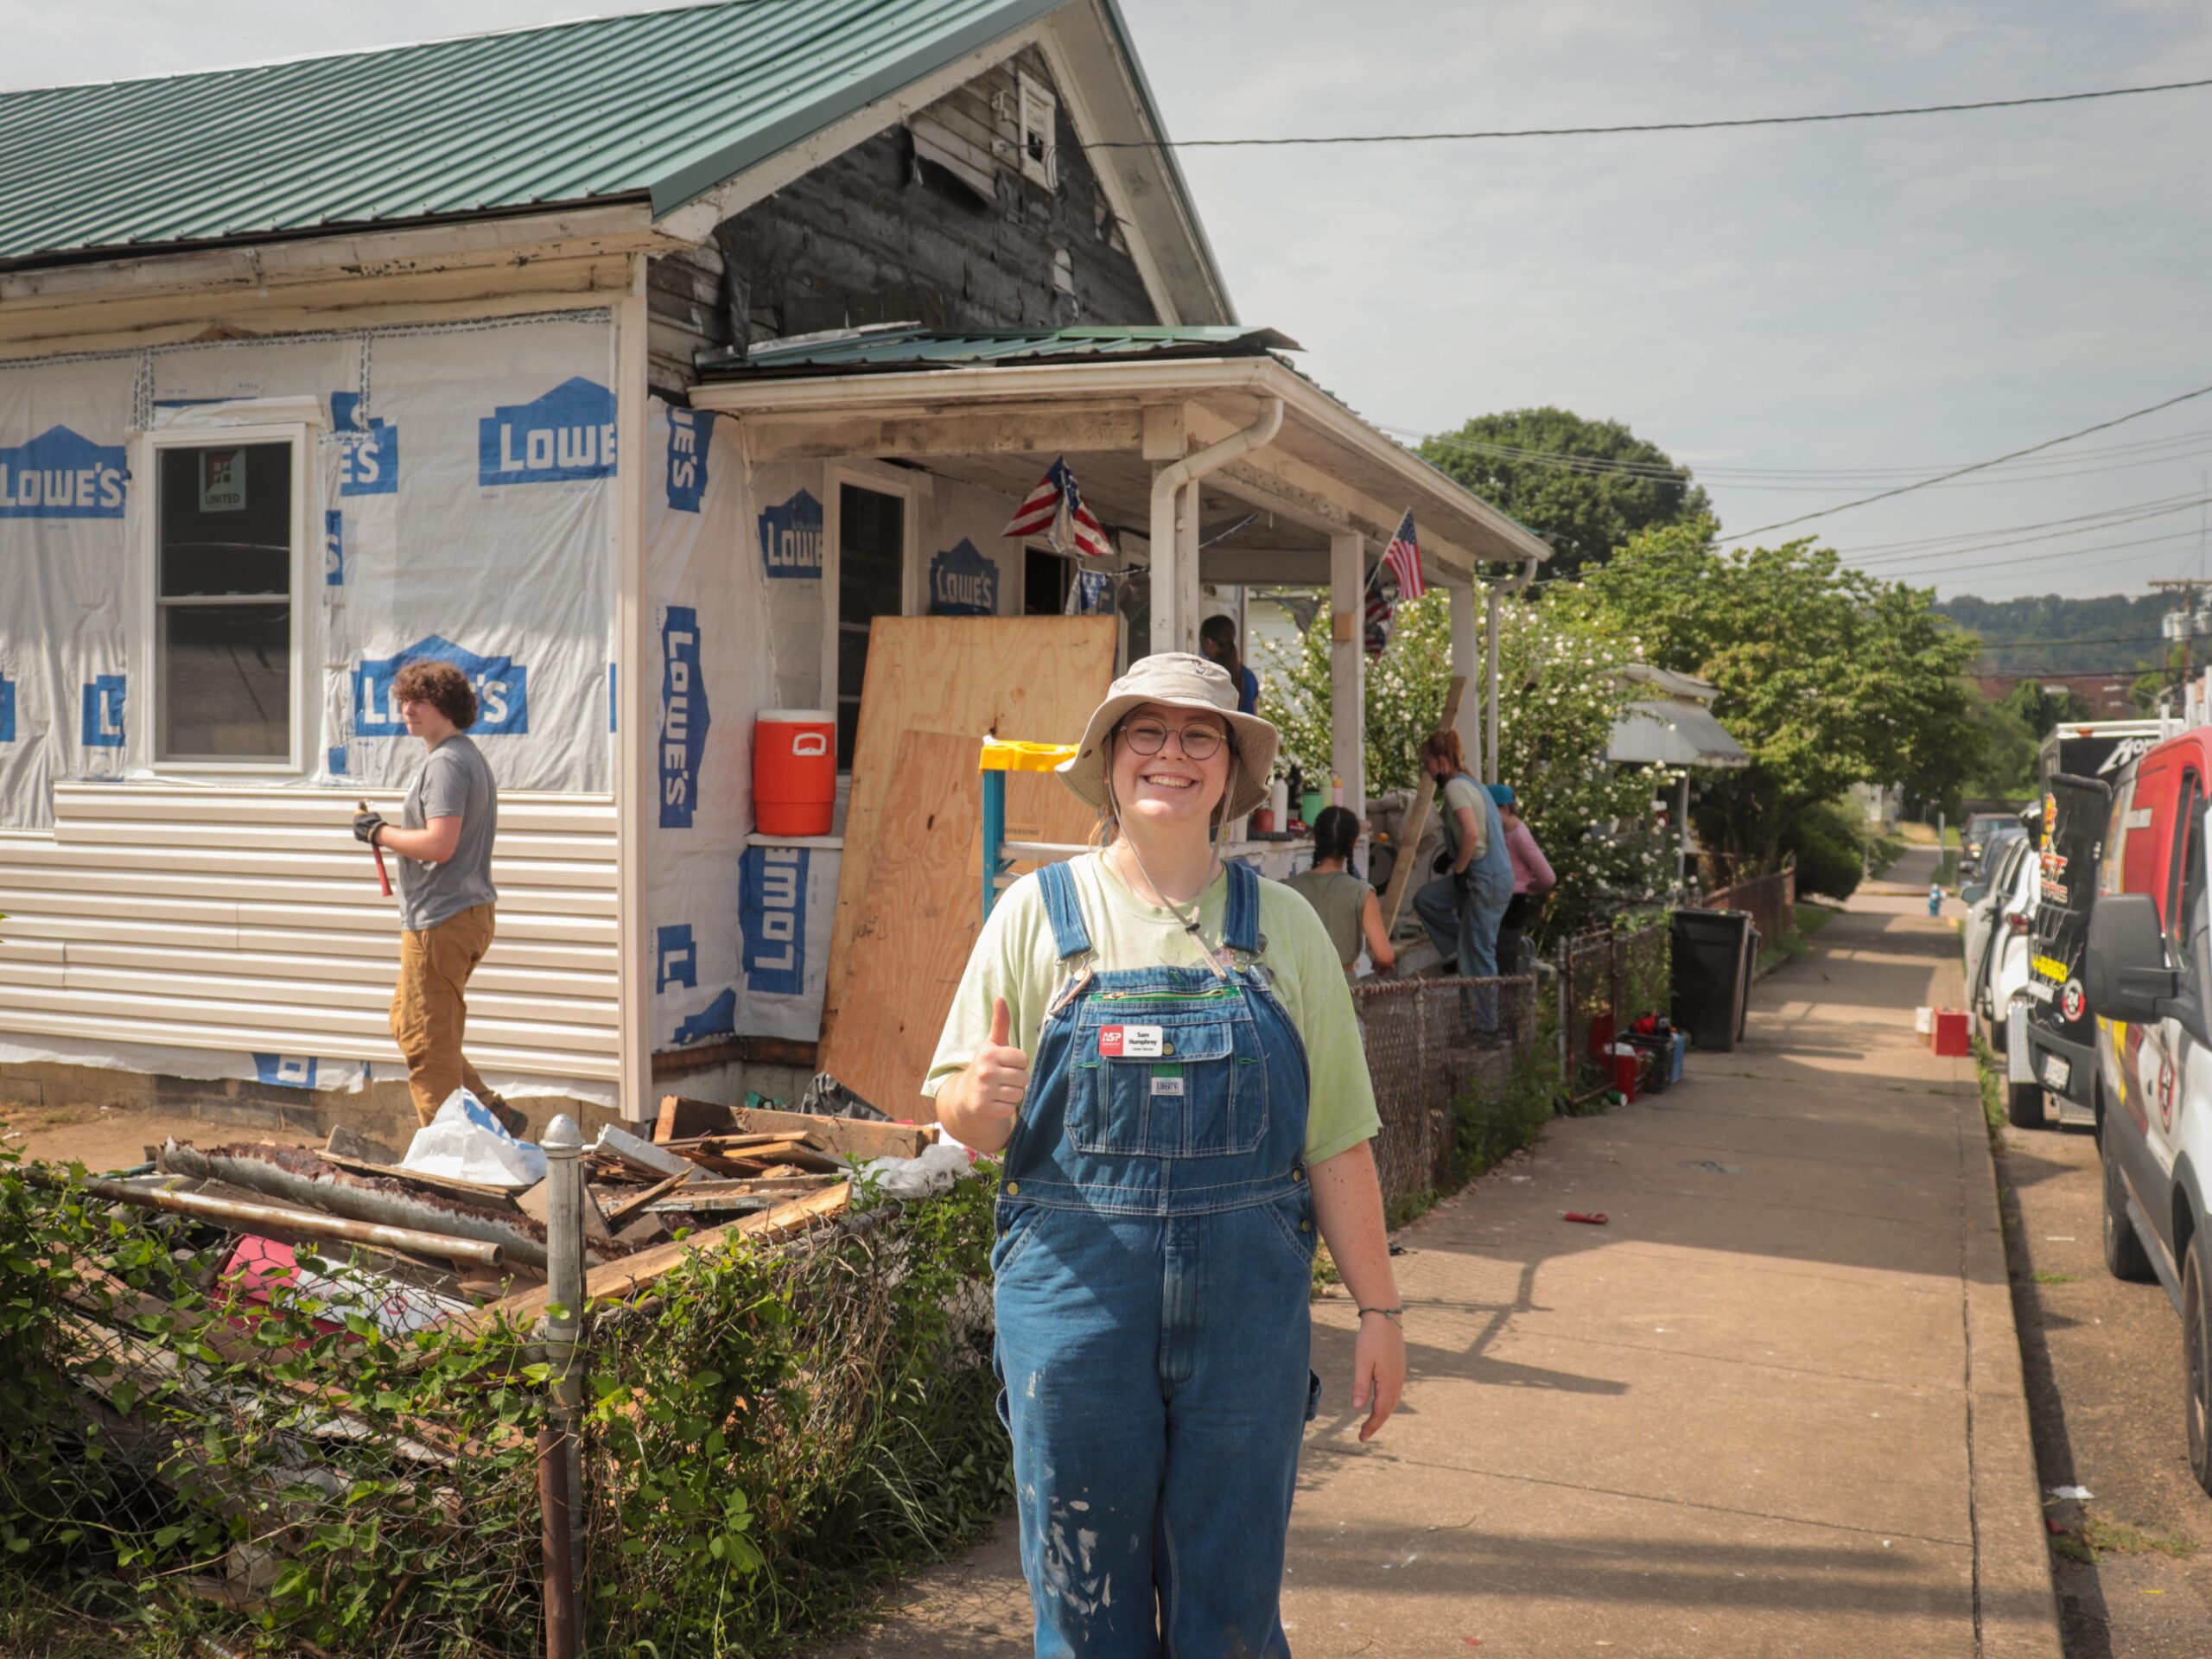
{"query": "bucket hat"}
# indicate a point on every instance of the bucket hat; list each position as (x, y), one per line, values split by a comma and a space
(1176, 679)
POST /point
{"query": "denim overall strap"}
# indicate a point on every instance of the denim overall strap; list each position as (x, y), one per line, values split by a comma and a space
(1065, 910)
(1240, 930)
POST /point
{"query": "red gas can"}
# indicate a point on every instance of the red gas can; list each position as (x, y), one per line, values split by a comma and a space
(794, 771)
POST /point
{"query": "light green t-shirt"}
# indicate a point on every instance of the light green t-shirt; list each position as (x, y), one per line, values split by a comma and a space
(1015, 958)
(1458, 792)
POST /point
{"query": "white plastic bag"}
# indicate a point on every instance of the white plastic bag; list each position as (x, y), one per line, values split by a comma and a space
(465, 1142)
(939, 1166)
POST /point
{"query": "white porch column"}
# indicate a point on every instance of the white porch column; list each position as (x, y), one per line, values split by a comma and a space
(1167, 574)
(1192, 611)
(1466, 663)
(1348, 666)
(1490, 685)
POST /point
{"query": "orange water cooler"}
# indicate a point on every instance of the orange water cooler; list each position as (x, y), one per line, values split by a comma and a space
(794, 771)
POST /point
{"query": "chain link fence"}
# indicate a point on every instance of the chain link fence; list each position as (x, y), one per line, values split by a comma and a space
(1608, 979)
(1431, 1043)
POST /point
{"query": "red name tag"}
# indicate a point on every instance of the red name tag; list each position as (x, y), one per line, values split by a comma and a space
(1132, 1042)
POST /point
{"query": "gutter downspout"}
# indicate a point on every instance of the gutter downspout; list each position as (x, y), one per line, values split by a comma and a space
(1497, 592)
(1167, 484)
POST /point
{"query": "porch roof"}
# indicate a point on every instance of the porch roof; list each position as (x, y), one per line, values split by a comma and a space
(994, 408)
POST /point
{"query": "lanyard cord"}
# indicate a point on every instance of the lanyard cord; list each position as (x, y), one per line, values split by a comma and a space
(1189, 924)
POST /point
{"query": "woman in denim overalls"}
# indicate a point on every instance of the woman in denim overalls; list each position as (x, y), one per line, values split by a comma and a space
(1157, 1216)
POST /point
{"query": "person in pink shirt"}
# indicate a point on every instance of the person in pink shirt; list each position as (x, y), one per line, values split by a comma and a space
(1532, 879)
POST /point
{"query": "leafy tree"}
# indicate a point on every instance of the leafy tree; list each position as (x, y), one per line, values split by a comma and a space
(1587, 513)
(1826, 676)
(1561, 691)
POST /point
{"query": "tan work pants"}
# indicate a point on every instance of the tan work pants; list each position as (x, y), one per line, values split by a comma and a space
(430, 1010)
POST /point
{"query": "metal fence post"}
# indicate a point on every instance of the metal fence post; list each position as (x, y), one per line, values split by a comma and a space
(561, 1334)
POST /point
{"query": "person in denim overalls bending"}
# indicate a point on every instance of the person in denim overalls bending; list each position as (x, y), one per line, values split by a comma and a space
(1165, 1052)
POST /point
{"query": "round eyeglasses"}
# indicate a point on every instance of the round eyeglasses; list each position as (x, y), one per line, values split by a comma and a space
(1198, 742)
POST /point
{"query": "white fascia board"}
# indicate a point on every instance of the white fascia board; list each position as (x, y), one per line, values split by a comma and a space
(694, 221)
(922, 392)
(1106, 98)
(612, 228)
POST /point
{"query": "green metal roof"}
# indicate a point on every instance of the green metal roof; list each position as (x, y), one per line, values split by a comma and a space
(659, 106)
(906, 346)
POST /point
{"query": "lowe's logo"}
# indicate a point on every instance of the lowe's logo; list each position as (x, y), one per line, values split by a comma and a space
(679, 958)
(567, 433)
(963, 582)
(290, 1071)
(368, 464)
(683, 715)
(688, 431)
(772, 918)
(62, 474)
(502, 690)
(102, 727)
(333, 549)
(7, 710)
(791, 539)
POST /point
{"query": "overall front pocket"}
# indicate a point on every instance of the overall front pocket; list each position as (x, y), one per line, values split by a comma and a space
(1168, 1087)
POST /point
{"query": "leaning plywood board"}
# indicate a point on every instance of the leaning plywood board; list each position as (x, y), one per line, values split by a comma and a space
(916, 928)
(1030, 677)
(1416, 823)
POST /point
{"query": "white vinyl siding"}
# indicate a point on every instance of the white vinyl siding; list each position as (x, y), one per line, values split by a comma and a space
(249, 920)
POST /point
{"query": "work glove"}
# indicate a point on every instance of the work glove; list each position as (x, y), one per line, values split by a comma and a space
(1463, 881)
(365, 825)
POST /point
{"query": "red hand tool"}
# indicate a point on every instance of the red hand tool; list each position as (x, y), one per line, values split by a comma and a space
(383, 879)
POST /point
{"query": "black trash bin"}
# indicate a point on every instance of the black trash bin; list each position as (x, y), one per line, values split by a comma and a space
(1712, 958)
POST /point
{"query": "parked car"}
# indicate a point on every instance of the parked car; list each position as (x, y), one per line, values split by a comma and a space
(1983, 900)
(2002, 995)
(2146, 975)
(1984, 832)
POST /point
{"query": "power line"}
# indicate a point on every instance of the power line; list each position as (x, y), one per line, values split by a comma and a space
(1979, 466)
(1999, 567)
(2003, 540)
(1640, 126)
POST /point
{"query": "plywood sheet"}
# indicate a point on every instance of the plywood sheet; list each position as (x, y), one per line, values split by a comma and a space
(1030, 677)
(916, 928)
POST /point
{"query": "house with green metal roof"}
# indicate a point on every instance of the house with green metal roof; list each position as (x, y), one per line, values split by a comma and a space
(634, 366)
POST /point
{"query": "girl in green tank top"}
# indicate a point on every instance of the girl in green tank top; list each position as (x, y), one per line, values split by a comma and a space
(1345, 904)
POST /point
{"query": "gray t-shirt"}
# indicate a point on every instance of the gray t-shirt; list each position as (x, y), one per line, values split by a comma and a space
(455, 782)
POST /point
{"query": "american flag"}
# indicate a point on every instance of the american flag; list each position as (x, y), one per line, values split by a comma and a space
(1403, 556)
(1382, 607)
(1055, 511)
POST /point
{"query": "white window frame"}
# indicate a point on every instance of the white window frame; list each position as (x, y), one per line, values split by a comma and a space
(913, 489)
(305, 613)
(1037, 109)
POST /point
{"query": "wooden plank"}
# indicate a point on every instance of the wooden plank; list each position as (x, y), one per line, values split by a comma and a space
(917, 928)
(685, 1119)
(1416, 824)
(1031, 677)
(850, 1137)
(618, 1280)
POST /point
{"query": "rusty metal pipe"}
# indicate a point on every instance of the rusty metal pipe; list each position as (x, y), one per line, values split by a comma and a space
(354, 1200)
(555, 1529)
(236, 1213)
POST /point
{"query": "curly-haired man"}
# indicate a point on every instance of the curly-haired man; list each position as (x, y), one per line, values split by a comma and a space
(446, 897)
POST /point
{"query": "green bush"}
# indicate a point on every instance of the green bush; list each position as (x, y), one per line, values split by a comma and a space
(1826, 845)
(769, 1435)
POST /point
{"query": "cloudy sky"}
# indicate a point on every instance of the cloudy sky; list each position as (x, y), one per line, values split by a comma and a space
(1804, 314)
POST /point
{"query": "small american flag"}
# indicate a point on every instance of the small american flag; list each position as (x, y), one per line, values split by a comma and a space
(1055, 511)
(1381, 609)
(1403, 556)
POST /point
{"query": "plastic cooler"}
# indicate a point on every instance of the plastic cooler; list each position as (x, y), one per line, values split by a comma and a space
(794, 771)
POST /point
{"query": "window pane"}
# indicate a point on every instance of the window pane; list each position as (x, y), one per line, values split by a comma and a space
(226, 520)
(871, 567)
(226, 682)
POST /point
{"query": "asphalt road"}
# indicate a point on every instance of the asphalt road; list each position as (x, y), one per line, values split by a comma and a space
(2134, 1567)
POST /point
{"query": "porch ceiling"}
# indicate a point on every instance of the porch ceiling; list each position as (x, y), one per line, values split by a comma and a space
(999, 426)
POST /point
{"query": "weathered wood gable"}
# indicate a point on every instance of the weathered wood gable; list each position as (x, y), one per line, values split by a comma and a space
(935, 221)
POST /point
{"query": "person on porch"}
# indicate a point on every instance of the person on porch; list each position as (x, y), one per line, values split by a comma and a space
(1463, 907)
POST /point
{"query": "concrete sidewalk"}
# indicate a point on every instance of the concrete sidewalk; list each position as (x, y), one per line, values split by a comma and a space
(1774, 1407)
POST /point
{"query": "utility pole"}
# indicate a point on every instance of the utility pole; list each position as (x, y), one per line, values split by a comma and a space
(2180, 623)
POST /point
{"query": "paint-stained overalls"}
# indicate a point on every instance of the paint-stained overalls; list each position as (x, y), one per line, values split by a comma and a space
(1153, 1265)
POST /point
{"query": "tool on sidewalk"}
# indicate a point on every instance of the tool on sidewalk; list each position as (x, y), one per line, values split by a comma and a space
(1595, 1220)
(383, 876)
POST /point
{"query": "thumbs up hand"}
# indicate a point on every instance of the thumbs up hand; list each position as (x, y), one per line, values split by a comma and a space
(999, 1074)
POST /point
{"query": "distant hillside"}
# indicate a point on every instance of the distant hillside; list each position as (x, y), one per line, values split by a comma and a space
(2062, 636)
